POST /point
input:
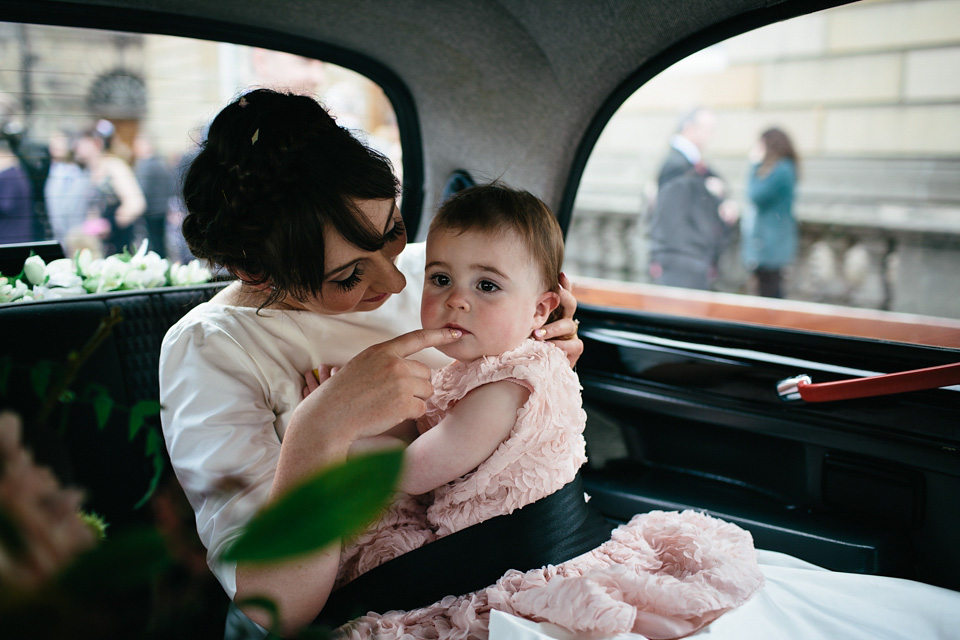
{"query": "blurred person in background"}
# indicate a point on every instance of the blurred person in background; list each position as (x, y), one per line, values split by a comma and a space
(65, 191)
(769, 228)
(692, 213)
(24, 164)
(116, 201)
(16, 205)
(155, 178)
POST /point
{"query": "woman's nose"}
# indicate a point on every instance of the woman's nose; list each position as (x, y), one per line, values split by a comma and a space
(390, 280)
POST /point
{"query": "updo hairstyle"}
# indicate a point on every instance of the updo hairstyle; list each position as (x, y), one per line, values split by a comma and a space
(274, 174)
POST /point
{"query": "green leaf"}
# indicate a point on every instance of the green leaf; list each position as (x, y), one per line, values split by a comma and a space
(140, 412)
(155, 450)
(130, 558)
(102, 406)
(96, 523)
(40, 375)
(92, 390)
(335, 502)
(101, 400)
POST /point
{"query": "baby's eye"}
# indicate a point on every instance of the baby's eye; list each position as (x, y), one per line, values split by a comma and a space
(440, 279)
(487, 286)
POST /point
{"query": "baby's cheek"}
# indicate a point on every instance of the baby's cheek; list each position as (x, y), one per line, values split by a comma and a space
(427, 313)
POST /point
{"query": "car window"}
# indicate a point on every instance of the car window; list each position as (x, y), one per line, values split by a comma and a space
(849, 224)
(70, 97)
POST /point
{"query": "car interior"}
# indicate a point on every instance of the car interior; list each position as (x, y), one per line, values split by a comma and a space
(684, 390)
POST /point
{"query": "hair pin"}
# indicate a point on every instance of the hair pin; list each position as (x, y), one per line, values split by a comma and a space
(255, 137)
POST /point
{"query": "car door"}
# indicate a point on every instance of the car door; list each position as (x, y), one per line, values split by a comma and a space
(681, 385)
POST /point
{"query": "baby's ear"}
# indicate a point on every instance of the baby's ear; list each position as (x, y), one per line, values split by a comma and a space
(546, 302)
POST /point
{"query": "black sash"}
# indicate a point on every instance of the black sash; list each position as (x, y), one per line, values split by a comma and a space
(552, 530)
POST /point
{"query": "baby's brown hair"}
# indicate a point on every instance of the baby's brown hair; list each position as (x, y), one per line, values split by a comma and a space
(494, 209)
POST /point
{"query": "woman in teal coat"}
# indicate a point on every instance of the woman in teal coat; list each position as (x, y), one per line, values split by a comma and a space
(768, 227)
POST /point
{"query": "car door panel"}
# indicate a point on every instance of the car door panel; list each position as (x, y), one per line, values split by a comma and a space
(685, 414)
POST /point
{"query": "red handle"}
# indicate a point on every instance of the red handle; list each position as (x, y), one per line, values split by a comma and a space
(916, 380)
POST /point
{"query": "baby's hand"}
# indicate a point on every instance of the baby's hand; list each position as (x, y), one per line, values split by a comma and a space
(317, 377)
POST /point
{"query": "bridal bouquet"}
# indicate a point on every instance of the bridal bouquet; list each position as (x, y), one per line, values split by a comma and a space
(84, 274)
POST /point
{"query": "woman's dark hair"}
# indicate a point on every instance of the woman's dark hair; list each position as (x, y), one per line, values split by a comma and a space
(495, 209)
(778, 146)
(275, 173)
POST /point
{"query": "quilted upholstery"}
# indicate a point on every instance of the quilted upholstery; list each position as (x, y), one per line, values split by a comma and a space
(111, 468)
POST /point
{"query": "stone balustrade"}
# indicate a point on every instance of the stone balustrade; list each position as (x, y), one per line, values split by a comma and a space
(901, 256)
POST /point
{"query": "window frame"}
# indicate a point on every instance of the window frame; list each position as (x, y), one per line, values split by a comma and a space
(854, 322)
(159, 23)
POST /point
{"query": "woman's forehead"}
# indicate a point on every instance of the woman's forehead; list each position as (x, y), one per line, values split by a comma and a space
(377, 214)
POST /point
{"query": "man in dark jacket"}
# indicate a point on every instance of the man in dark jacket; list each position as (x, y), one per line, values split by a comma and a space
(692, 216)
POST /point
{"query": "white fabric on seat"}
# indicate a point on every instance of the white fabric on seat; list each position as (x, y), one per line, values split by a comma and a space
(801, 601)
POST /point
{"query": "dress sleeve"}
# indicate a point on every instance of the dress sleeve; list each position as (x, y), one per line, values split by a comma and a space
(220, 433)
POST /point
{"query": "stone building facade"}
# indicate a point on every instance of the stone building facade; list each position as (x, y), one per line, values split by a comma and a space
(62, 78)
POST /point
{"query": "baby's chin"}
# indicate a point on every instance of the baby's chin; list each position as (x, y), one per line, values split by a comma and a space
(461, 355)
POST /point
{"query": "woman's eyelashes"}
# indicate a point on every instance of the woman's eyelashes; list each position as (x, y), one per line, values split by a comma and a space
(395, 232)
(350, 281)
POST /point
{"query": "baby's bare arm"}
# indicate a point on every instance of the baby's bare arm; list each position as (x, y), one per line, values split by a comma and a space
(467, 436)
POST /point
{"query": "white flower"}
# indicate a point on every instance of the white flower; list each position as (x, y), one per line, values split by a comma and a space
(147, 270)
(64, 280)
(91, 284)
(191, 273)
(85, 274)
(134, 279)
(50, 293)
(62, 265)
(11, 292)
(142, 250)
(84, 258)
(63, 273)
(34, 270)
(110, 273)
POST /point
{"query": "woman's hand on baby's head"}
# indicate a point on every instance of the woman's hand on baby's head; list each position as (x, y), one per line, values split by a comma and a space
(563, 332)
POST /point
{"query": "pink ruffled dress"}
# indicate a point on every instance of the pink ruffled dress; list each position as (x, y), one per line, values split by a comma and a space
(662, 575)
